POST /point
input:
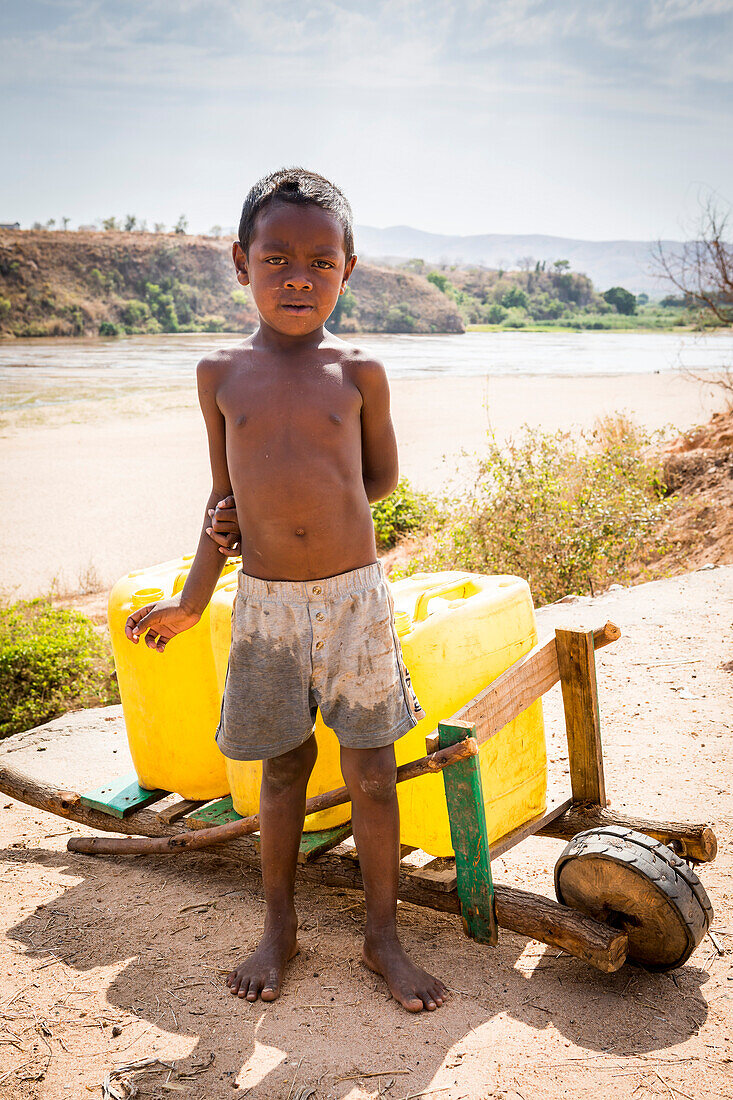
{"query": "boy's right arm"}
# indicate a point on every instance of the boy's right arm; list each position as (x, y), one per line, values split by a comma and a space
(161, 621)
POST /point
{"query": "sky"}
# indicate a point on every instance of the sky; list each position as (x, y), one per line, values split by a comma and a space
(593, 119)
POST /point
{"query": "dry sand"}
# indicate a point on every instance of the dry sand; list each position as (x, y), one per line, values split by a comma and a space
(94, 491)
(105, 961)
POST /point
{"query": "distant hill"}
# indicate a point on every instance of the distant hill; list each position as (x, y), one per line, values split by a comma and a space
(607, 263)
(84, 283)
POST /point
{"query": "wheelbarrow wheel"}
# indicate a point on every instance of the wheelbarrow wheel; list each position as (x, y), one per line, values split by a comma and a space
(640, 886)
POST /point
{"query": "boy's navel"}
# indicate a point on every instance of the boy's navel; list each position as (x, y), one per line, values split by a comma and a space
(241, 421)
(300, 531)
(334, 417)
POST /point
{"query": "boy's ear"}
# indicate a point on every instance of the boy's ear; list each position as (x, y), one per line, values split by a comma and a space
(240, 263)
(347, 272)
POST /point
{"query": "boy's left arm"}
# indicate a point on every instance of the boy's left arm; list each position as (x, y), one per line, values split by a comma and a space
(379, 461)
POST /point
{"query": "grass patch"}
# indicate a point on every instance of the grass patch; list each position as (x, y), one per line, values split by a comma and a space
(51, 661)
(568, 513)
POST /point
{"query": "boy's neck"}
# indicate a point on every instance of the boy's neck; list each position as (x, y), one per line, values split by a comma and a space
(269, 339)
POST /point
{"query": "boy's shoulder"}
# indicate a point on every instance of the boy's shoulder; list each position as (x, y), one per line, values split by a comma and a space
(218, 360)
(361, 360)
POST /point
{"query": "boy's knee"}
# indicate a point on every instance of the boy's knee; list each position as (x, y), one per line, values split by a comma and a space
(374, 771)
(292, 767)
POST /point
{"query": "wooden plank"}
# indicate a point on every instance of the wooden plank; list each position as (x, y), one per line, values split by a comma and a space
(215, 813)
(120, 797)
(170, 814)
(465, 797)
(439, 874)
(316, 843)
(530, 828)
(577, 664)
(516, 689)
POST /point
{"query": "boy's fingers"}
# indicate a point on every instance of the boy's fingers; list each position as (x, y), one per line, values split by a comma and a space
(132, 625)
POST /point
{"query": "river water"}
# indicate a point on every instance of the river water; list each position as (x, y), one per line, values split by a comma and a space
(60, 372)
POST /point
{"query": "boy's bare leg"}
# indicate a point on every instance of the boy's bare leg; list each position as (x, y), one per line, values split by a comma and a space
(370, 777)
(282, 811)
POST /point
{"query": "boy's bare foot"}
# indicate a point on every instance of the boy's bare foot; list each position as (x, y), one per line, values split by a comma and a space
(261, 974)
(414, 988)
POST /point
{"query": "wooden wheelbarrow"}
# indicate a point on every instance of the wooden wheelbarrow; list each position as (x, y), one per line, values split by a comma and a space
(625, 885)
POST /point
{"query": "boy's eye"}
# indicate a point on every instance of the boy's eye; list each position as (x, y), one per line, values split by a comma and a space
(324, 263)
(276, 260)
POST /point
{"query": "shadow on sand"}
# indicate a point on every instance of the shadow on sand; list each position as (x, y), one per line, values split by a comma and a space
(174, 923)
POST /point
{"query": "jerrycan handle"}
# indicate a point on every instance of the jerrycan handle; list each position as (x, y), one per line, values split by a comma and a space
(421, 607)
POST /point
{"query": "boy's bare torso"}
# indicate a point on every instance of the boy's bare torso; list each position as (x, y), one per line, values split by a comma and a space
(293, 423)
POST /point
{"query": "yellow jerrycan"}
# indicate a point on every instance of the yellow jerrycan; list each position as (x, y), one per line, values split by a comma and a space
(244, 775)
(170, 700)
(459, 631)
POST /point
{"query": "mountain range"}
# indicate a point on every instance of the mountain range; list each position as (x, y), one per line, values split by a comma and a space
(607, 263)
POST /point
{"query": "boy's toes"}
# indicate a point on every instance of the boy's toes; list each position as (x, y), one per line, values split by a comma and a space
(271, 988)
(251, 990)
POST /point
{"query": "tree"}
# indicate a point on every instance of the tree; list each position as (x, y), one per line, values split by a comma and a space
(344, 307)
(50, 223)
(702, 268)
(441, 281)
(622, 300)
(561, 265)
(181, 225)
(110, 224)
(515, 296)
(130, 223)
(215, 231)
(65, 223)
(158, 227)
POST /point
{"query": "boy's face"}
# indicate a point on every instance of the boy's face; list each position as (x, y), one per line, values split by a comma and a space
(296, 266)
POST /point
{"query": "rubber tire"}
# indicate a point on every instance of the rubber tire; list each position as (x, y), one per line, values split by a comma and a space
(653, 873)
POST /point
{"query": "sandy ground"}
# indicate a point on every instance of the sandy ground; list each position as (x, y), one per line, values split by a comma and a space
(95, 490)
(105, 961)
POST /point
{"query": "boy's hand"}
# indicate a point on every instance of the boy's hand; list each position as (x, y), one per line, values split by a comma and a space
(161, 620)
(224, 528)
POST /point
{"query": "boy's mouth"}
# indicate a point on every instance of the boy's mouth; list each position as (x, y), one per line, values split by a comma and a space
(296, 307)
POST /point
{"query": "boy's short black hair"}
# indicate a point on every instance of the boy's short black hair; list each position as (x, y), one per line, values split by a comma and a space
(297, 186)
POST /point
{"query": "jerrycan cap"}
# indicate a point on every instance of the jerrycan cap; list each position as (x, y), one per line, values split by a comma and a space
(402, 622)
(146, 595)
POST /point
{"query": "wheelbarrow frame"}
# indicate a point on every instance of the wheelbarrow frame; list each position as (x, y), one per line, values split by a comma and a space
(462, 885)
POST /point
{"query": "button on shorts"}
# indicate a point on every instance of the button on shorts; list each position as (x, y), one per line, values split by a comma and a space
(298, 646)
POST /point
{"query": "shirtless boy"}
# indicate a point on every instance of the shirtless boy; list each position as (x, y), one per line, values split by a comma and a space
(300, 433)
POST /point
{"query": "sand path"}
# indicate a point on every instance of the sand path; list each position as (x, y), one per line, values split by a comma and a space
(105, 961)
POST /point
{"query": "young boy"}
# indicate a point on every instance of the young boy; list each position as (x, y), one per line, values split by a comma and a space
(300, 432)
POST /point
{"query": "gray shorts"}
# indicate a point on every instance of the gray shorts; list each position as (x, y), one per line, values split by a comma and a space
(302, 645)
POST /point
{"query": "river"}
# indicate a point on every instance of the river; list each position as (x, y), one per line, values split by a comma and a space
(37, 374)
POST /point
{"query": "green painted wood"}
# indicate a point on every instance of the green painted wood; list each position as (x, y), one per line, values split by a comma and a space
(120, 797)
(216, 813)
(314, 844)
(465, 798)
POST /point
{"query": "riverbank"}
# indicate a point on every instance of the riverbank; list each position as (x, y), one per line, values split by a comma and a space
(123, 484)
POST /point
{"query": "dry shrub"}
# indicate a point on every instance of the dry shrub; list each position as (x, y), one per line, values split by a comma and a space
(566, 512)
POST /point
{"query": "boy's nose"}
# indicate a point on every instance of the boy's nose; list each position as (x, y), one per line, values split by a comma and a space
(298, 280)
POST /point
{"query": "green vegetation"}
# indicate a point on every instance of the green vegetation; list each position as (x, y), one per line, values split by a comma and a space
(406, 511)
(51, 661)
(567, 514)
(542, 297)
(623, 301)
